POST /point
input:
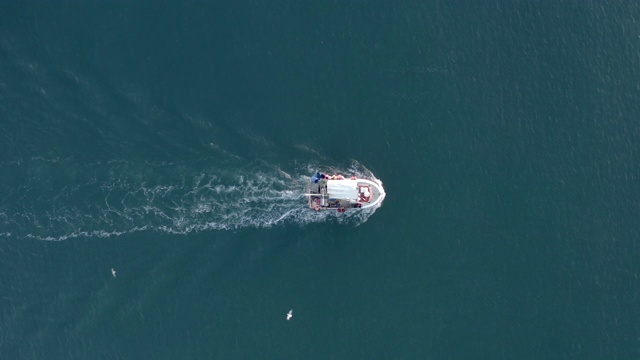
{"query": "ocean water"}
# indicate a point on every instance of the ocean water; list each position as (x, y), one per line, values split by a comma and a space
(171, 141)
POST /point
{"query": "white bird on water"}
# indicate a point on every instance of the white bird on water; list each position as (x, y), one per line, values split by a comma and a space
(290, 314)
(113, 272)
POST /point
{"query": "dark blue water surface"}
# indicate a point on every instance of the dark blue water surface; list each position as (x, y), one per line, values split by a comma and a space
(171, 141)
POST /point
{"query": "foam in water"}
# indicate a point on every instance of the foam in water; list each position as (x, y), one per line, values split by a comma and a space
(60, 199)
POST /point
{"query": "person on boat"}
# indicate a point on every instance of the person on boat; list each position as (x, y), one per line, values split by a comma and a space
(364, 195)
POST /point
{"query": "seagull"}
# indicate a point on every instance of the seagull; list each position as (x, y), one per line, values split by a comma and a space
(290, 314)
(113, 272)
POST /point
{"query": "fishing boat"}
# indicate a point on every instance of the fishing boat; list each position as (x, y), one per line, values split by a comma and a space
(336, 192)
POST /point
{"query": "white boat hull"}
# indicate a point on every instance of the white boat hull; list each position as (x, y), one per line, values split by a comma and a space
(338, 193)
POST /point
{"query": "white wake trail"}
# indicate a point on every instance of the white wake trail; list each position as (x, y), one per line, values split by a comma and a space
(64, 199)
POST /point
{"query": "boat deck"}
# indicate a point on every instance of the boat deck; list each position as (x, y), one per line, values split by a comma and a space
(341, 193)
